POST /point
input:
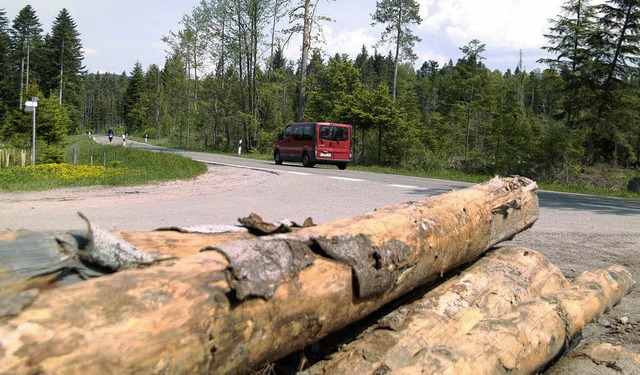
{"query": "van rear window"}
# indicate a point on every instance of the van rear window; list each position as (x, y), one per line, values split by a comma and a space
(342, 134)
(334, 133)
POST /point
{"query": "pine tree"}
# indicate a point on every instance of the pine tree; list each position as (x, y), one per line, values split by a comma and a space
(155, 93)
(53, 126)
(472, 85)
(133, 107)
(571, 40)
(5, 44)
(63, 51)
(175, 88)
(25, 56)
(51, 129)
(397, 16)
(616, 120)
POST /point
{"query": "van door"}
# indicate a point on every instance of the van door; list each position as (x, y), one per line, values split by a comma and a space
(334, 142)
(342, 146)
(284, 144)
(297, 142)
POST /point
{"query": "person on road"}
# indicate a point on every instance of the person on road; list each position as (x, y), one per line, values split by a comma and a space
(110, 135)
(124, 139)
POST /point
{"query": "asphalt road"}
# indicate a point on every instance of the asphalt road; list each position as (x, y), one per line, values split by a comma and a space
(561, 212)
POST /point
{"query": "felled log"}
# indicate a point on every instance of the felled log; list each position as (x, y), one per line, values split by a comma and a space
(601, 358)
(248, 302)
(534, 333)
(492, 286)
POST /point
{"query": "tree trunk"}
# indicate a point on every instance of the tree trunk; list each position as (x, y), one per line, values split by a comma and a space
(396, 58)
(534, 333)
(490, 287)
(306, 43)
(253, 301)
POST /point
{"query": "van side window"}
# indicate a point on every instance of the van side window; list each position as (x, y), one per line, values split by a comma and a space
(325, 132)
(308, 132)
(287, 131)
(341, 133)
(298, 133)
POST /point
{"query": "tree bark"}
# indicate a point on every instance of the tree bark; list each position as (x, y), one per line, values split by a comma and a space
(248, 302)
(490, 287)
(534, 333)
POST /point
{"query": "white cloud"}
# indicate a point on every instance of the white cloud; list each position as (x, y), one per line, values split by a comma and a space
(349, 41)
(434, 56)
(500, 24)
(504, 26)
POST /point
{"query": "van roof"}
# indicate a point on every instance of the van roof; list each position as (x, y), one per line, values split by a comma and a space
(318, 122)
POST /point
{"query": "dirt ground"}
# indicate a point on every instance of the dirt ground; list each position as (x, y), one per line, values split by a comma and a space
(571, 252)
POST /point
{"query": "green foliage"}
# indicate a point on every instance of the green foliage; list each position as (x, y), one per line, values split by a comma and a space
(226, 79)
(62, 75)
(597, 51)
(16, 130)
(5, 66)
(102, 102)
(100, 165)
(134, 107)
(52, 121)
(51, 154)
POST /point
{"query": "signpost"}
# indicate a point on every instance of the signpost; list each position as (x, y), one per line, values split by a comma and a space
(30, 106)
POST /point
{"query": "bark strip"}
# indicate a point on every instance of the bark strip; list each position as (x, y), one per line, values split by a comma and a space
(257, 267)
(182, 316)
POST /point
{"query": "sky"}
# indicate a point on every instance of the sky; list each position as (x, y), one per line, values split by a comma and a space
(117, 33)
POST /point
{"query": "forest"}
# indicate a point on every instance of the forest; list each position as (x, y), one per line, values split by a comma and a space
(225, 79)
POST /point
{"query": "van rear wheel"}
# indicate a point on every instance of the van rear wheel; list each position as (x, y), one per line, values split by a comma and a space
(342, 166)
(306, 161)
(277, 158)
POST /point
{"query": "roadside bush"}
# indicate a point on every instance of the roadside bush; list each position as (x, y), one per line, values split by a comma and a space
(634, 185)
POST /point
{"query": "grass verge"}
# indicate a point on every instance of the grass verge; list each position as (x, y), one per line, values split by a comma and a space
(101, 165)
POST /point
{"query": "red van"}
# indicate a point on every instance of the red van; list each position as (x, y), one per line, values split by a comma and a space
(314, 143)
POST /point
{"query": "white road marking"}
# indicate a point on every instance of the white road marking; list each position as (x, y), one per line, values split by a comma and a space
(406, 186)
(255, 168)
(346, 179)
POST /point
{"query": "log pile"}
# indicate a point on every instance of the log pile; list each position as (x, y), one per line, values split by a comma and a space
(232, 302)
